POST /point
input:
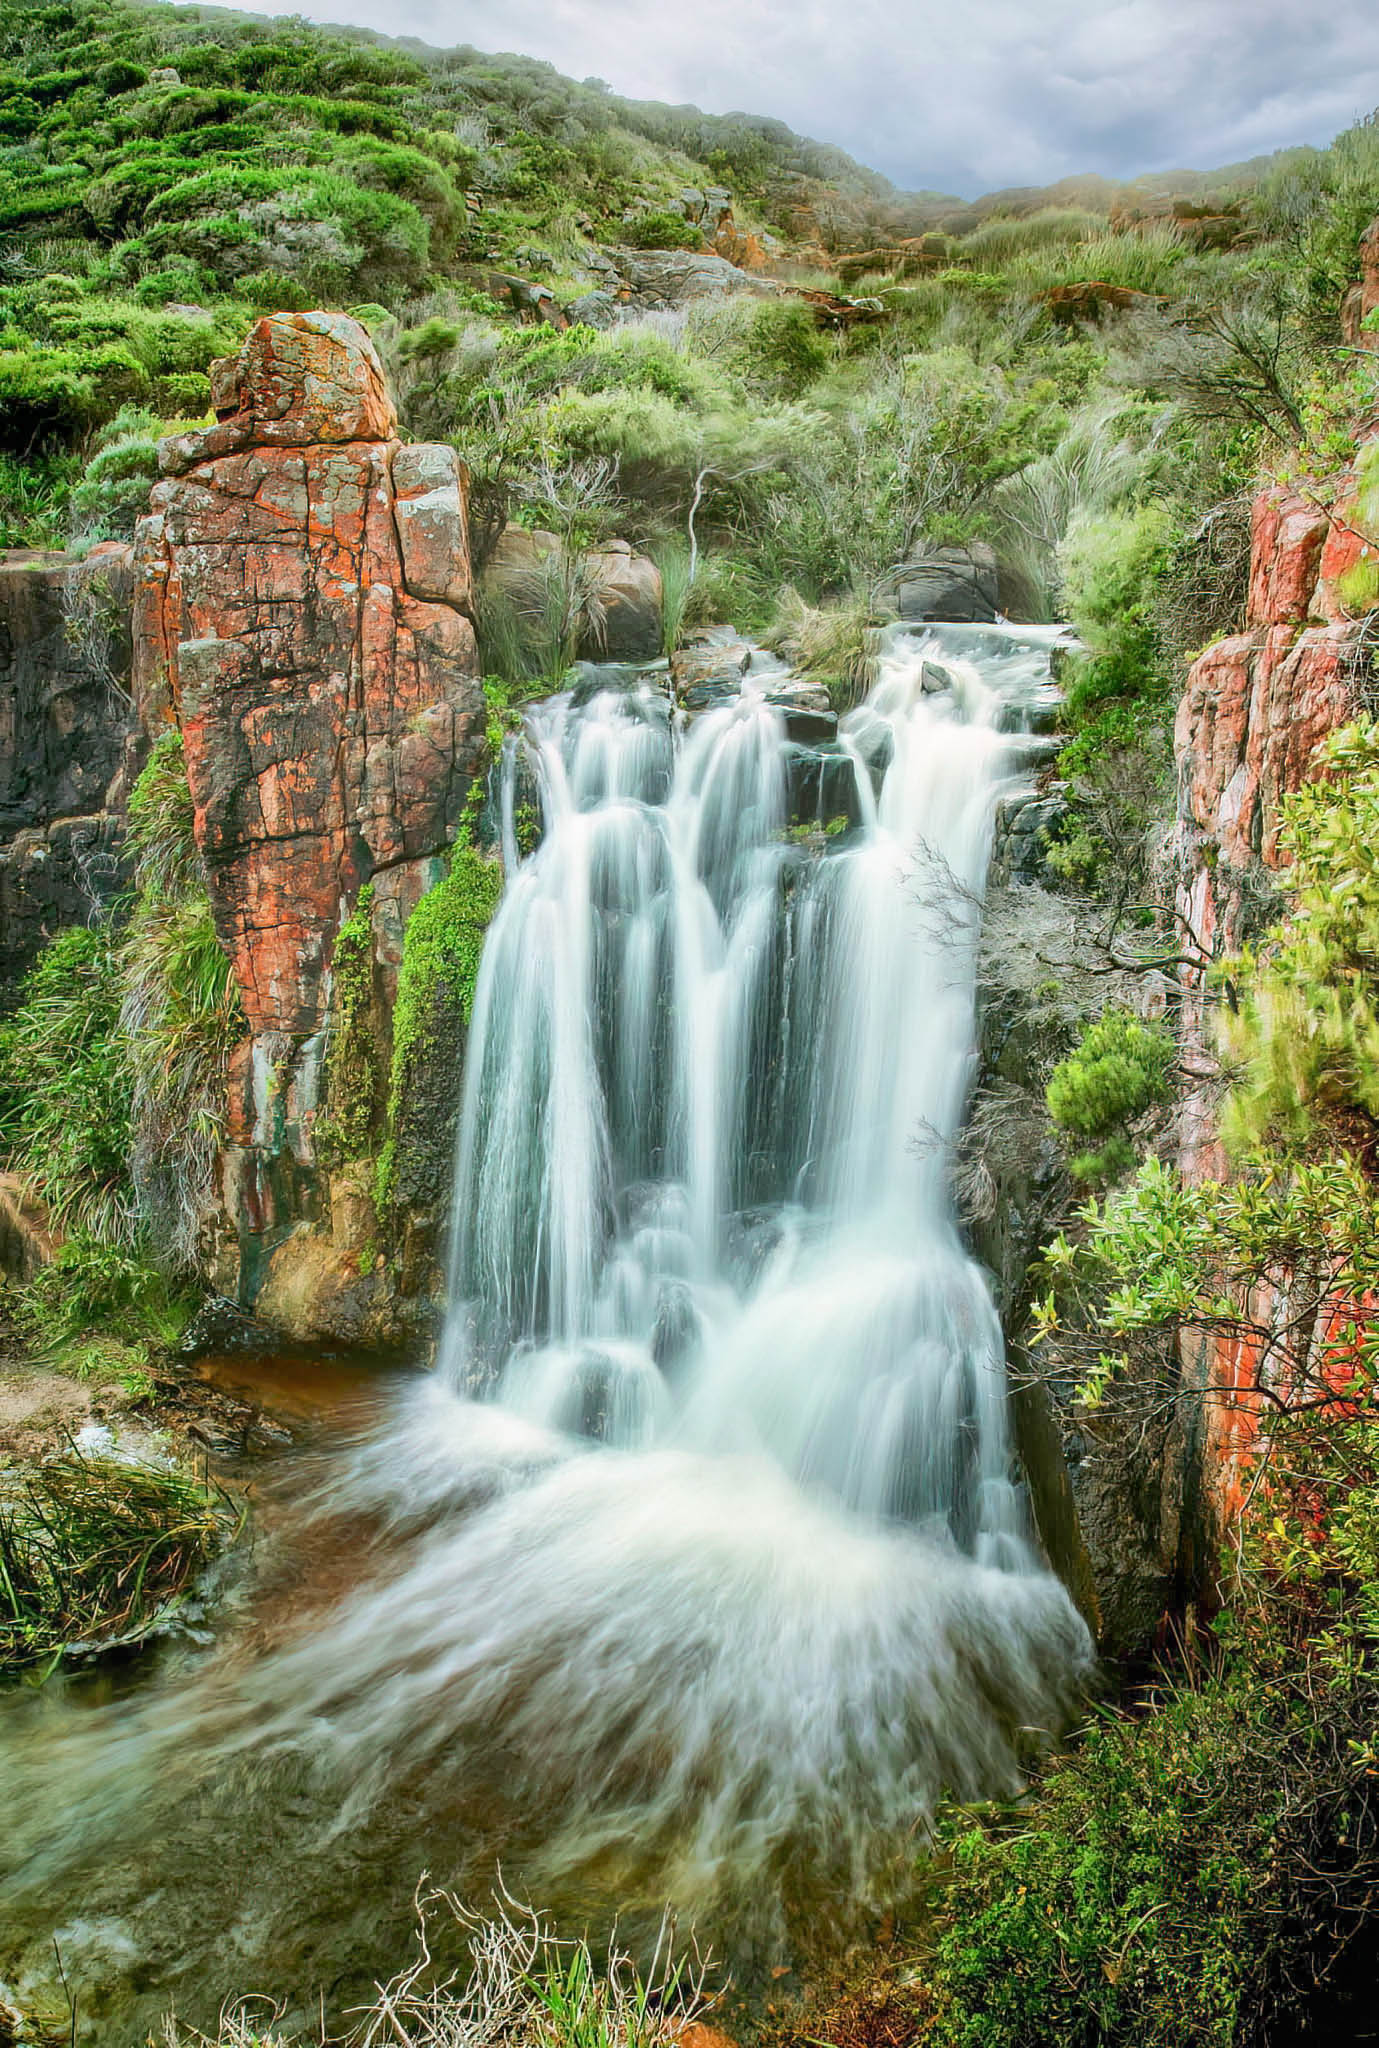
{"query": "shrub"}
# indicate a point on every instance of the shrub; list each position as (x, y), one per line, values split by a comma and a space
(113, 491)
(1304, 1035)
(1120, 1070)
(1170, 1883)
(659, 229)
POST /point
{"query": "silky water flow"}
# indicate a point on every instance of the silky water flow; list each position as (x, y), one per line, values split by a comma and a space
(711, 1572)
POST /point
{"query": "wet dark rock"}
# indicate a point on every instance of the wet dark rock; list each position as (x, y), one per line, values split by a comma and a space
(707, 695)
(714, 655)
(749, 1239)
(934, 677)
(809, 727)
(221, 1327)
(677, 1330)
(69, 743)
(590, 679)
(1027, 827)
(821, 782)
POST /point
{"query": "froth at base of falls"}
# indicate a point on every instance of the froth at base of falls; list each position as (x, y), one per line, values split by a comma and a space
(706, 1553)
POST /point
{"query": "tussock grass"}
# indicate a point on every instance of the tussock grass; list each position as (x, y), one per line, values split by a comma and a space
(518, 1985)
(95, 1552)
(831, 644)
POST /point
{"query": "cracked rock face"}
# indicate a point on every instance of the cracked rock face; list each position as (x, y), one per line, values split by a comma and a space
(301, 609)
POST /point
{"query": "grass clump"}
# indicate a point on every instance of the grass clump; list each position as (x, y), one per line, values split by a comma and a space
(832, 644)
(517, 1984)
(96, 1552)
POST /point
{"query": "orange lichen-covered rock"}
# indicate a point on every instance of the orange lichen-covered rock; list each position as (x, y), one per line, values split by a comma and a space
(300, 611)
(1287, 536)
(1255, 710)
(300, 379)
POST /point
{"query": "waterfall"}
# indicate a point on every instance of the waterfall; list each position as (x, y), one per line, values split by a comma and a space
(698, 1571)
(713, 1081)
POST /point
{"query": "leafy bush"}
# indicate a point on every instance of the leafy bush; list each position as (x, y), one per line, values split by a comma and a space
(1176, 1881)
(113, 491)
(1120, 1070)
(1305, 1033)
(659, 229)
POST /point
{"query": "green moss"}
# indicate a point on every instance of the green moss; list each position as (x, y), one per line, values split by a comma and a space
(440, 967)
(354, 1063)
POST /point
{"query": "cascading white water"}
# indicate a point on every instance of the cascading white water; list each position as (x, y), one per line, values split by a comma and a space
(703, 1564)
(701, 1196)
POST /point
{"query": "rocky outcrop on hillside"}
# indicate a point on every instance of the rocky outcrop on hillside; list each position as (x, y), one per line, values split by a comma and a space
(67, 743)
(1255, 710)
(302, 610)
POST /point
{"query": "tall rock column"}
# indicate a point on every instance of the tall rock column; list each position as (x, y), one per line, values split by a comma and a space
(302, 610)
(1255, 711)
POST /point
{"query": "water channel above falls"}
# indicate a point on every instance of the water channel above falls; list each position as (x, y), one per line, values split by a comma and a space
(699, 1568)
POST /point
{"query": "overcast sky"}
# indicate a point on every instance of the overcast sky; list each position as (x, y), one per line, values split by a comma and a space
(956, 95)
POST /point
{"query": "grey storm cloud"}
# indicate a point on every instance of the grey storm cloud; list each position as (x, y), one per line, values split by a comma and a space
(957, 95)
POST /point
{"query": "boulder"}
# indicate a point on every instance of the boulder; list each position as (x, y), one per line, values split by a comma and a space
(675, 277)
(593, 309)
(301, 380)
(622, 609)
(624, 613)
(954, 584)
(714, 655)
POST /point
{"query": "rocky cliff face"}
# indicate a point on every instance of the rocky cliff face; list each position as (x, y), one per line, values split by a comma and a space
(1256, 708)
(68, 743)
(301, 610)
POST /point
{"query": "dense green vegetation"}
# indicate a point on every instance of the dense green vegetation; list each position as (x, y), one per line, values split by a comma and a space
(113, 1094)
(1195, 1870)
